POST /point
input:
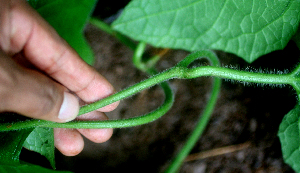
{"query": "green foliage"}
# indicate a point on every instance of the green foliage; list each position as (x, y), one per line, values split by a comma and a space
(290, 139)
(61, 14)
(247, 28)
(41, 140)
(10, 148)
(11, 144)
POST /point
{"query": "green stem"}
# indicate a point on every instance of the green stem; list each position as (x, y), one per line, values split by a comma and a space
(244, 76)
(137, 57)
(179, 71)
(129, 91)
(200, 127)
(204, 119)
(130, 122)
(103, 124)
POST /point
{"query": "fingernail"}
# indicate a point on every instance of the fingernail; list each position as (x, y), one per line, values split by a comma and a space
(69, 108)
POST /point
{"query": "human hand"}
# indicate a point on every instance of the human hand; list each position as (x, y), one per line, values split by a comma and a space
(40, 74)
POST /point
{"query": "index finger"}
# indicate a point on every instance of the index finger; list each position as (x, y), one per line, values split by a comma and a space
(44, 48)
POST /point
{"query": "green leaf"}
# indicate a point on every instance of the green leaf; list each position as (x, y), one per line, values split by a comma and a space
(11, 143)
(41, 140)
(290, 138)
(247, 28)
(69, 18)
(24, 168)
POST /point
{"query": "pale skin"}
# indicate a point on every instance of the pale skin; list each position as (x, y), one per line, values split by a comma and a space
(42, 77)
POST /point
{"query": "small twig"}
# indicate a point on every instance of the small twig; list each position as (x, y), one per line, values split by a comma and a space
(217, 151)
(162, 52)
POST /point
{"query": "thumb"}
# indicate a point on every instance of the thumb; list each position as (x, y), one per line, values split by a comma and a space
(33, 94)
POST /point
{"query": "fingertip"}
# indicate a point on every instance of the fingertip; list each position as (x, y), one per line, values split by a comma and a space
(110, 107)
(97, 135)
(69, 108)
(68, 141)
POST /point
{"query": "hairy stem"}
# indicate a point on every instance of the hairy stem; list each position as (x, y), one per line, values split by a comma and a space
(127, 92)
(205, 117)
(244, 76)
(180, 71)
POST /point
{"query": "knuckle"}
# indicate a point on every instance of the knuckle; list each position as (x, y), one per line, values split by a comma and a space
(47, 105)
(8, 81)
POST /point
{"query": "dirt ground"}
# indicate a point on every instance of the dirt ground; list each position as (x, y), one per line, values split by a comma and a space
(248, 115)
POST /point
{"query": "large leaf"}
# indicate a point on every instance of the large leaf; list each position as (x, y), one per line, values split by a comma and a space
(290, 138)
(247, 28)
(69, 17)
(41, 140)
(11, 143)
